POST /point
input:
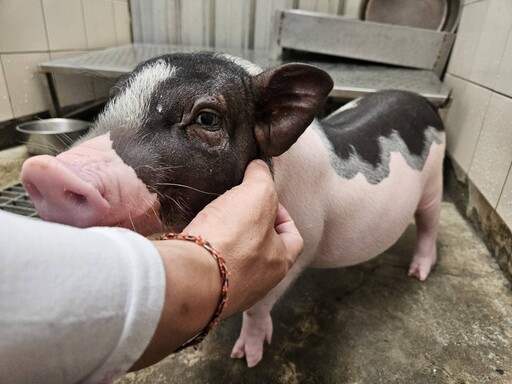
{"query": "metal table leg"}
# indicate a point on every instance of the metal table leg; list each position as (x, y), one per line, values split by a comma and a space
(55, 107)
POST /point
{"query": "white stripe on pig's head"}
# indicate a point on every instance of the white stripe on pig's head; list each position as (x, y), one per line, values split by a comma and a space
(131, 97)
(188, 124)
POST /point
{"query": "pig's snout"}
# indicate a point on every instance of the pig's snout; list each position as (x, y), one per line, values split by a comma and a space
(60, 195)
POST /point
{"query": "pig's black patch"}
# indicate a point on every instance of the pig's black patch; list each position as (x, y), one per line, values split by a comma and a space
(373, 128)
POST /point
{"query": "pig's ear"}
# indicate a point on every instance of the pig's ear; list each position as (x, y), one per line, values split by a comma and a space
(287, 99)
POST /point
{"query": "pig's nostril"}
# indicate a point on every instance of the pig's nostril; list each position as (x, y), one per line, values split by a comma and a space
(76, 198)
(34, 192)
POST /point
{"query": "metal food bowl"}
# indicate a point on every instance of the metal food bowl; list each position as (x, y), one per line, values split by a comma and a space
(438, 15)
(51, 136)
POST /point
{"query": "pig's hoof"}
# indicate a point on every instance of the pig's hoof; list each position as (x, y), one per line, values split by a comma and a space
(421, 266)
(253, 353)
(255, 330)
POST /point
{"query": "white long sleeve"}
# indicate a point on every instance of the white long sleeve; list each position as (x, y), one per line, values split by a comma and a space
(76, 305)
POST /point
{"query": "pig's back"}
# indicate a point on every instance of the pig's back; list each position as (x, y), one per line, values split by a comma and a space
(348, 208)
(363, 134)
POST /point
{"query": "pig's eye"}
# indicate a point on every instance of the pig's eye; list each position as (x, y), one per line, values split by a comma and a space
(207, 119)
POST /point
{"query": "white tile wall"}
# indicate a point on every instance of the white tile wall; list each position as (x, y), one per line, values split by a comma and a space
(26, 85)
(65, 24)
(22, 26)
(493, 154)
(5, 101)
(464, 119)
(32, 31)
(479, 122)
(504, 77)
(99, 24)
(468, 37)
(122, 16)
(492, 43)
(505, 202)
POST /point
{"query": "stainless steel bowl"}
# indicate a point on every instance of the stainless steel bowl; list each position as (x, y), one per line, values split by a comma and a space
(440, 15)
(51, 136)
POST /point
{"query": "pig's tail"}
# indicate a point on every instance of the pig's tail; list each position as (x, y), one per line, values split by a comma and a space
(224, 279)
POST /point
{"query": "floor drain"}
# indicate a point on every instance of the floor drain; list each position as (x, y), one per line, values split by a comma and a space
(15, 199)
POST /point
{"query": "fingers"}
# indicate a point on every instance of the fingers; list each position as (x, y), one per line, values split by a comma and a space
(256, 235)
(256, 195)
(288, 232)
(258, 171)
(258, 188)
(258, 185)
(283, 220)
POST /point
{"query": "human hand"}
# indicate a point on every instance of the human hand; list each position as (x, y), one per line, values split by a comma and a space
(255, 235)
(259, 242)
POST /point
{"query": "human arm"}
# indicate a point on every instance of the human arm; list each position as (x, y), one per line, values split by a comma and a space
(75, 305)
(259, 242)
(83, 305)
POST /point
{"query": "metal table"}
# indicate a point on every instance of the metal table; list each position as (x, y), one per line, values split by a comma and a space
(351, 79)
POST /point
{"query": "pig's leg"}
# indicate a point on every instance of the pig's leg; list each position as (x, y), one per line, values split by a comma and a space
(427, 223)
(257, 322)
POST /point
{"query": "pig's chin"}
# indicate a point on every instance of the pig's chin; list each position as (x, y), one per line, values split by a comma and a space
(145, 224)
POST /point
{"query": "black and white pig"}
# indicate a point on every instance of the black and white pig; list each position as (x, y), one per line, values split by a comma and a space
(180, 130)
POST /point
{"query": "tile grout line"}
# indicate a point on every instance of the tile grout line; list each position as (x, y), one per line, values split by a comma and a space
(480, 128)
(45, 28)
(509, 174)
(112, 5)
(480, 85)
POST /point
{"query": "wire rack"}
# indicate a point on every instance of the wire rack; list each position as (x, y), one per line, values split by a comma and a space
(15, 199)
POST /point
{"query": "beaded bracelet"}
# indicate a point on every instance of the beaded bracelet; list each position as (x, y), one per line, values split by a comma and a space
(224, 279)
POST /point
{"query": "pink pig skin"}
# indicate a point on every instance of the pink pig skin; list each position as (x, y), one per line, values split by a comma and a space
(346, 222)
(343, 221)
(352, 182)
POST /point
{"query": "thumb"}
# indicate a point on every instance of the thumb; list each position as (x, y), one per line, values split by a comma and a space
(257, 170)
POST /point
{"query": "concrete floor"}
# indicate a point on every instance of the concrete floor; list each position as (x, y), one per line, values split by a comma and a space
(373, 324)
(11, 161)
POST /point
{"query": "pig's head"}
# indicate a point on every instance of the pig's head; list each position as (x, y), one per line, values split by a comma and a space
(177, 132)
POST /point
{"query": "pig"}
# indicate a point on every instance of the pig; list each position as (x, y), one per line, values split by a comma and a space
(181, 128)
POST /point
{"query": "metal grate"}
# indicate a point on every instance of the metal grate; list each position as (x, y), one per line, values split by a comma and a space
(15, 199)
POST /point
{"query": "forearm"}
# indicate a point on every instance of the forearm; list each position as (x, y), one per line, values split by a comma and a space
(78, 304)
(192, 294)
(257, 239)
